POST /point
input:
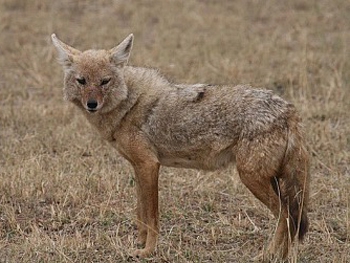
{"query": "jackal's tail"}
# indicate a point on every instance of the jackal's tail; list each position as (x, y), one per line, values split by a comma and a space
(294, 181)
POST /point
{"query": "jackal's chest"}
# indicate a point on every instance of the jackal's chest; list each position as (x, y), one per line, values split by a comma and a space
(104, 126)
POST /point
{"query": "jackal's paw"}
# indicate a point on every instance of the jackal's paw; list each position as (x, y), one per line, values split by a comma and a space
(276, 254)
(141, 240)
(258, 258)
(142, 253)
(265, 257)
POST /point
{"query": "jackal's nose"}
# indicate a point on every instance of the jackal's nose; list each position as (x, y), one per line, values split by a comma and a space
(91, 104)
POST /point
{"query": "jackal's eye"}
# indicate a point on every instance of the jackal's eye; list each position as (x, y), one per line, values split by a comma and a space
(105, 81)
(81, 81)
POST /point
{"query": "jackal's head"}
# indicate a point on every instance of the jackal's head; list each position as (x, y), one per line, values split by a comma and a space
(93, 78)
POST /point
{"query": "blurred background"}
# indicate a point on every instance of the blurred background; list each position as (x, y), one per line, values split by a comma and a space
(67, 196)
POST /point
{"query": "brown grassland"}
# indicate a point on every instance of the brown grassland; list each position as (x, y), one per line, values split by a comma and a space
(67, 196)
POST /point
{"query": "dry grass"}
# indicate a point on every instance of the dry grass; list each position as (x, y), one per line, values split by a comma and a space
(66, 196)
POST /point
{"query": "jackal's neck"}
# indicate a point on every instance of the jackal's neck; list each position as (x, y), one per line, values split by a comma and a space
(144, 80)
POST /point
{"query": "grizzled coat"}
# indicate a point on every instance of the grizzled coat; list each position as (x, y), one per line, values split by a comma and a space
(154, 122)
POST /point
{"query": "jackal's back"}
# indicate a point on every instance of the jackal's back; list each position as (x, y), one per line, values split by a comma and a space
(204, 122)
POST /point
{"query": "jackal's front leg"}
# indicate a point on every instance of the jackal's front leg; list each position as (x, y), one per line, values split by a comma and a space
(146, 175)
(140, 218)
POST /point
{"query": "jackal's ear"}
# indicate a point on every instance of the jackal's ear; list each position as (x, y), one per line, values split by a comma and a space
(65, 52)
(121, 53)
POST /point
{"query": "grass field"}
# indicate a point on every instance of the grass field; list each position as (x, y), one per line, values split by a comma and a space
(67, 196)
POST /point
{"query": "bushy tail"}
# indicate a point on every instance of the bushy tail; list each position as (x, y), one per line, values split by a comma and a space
(294, 182)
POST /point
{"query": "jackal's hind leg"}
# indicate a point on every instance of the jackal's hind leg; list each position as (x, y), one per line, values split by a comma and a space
(266, 190)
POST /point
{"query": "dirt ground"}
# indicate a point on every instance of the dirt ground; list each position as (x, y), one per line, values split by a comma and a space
(67, 196)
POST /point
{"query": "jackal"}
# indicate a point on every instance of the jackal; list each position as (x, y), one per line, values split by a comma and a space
(153, 122)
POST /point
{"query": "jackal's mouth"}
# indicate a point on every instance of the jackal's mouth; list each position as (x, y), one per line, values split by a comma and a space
(91, 110)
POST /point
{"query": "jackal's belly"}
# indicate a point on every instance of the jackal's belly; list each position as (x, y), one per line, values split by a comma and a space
(203, 160)
(180, 162)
